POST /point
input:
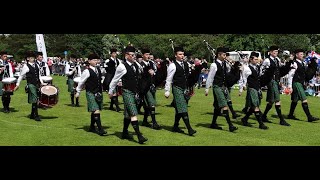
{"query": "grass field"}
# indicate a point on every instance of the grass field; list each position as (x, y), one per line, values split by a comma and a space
(64, 125)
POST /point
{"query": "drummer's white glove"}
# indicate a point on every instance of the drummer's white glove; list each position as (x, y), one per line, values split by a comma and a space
(167, 94)
(206, 92)
(77, 95)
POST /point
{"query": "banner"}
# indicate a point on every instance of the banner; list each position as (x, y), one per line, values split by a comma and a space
(41, 46)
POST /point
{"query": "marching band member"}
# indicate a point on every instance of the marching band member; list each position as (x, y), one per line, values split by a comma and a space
(31, 72)
(44, 69)
(251, 74)
(178, 73)
(91, 78)
(217, 76)
(128, 71)
(147, 87)
(297, 76)
(5, 72)
(111, 65)
(72, 70)
(272, 69)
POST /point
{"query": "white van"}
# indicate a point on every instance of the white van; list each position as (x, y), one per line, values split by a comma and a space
(235, 55)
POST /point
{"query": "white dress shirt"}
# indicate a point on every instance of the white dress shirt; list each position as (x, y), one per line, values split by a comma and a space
(23, 73)
(170, 73)
(85, 75)
(120, 71)
(294, 67)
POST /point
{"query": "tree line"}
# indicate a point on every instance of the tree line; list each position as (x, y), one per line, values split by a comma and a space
(159, 44)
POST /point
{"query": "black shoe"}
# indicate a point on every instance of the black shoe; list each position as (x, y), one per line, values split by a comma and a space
(146, 124)
(215, 126)
(284, 123)
(32, 116)
(92, 129)
(232, 128)
(311, 119)
(245, 122)
(235, 116)
(262, 126)
(142, 139)
(102, 132)
(72, 105)
(37, 118)
(112, 109)
(118, 109)
(5, 111)
(265, 119)
(177, 129)
(77, 105)
(292, 117)
(191, 132)
(126, 135)
(156, 126)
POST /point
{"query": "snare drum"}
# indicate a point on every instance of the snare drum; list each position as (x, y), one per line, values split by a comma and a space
(46, 79)
(49, 95)
(9, 84)
(76, 82)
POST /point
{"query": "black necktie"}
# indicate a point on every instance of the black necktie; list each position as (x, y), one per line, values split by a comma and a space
(182, 65)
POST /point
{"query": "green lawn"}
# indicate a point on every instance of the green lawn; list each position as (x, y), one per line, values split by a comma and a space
(64, 125)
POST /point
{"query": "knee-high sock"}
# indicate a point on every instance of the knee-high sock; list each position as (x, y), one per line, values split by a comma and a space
(185, 118)
(72, 98)
(306, 109)
(248, 114)
(77, 101)
(112, 102)
(135, 126)
(146, 114)
(177, 119)
(231, 108)
(258, 117)
(292, 107)
(98, 121)
(278, 108)
(126, 123)
(268, 107)
(216, 113)
(153, 114)
(92, 120)
(116, 102)
(226, 115)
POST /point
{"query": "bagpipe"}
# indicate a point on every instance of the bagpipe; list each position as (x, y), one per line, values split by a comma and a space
(311, 69)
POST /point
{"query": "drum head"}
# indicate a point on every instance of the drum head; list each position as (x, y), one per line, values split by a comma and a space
(9, 80)
(49, 90)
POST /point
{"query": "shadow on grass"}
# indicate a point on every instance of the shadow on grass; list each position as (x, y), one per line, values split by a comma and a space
(48, 117)
(119, 135)
(12, 110)
(70, 105)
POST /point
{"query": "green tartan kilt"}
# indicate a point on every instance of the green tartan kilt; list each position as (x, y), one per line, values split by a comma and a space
(298, 92)
(252, 99)
(273, 93)
(93, 105)
(179, 99)
(220, 98)
(71, 86)
(33, 94)
(130, 104)
(149, 99)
